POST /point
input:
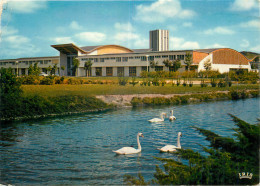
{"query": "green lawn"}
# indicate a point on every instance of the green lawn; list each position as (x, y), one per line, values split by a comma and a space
(114, 89)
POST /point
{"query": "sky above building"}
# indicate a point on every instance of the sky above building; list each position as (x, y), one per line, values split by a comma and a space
(28, 28)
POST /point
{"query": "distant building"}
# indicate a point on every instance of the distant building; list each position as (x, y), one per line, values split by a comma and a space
(115, 60)
(159, 40)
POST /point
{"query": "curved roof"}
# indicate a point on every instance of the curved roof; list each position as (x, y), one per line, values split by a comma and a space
(107, 49)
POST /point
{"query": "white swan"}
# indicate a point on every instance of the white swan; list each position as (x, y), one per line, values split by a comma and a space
(163, 114)
(172, 148)
(130, 150)
(172, 117)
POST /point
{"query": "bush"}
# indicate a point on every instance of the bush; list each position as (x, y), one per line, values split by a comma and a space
(122, 80)
(133, 81)
(234, 95)
(47, 81)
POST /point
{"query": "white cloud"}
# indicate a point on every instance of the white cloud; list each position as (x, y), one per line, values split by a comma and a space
(75, 26)
(255, 48)
(124, 27)
(126, 36)
(16, 40)
(245, 43)
(219, 30)
(26, 6)
(244, 5)
(8, 31)
(180, 44)
(216, 45)
(253, 23)
(187, 24)
(62, 40)
(141, 43)
(95, 37)
(161, 10)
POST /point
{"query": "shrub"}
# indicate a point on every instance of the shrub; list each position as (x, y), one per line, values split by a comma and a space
(234, 95)
(133, 81)
(47, 81)
(122, 81)
(213, 82)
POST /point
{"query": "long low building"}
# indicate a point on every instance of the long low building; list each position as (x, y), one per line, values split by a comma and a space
(115, 60)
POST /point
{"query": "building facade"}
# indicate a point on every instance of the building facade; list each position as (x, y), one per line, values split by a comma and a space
(115, 60)
(159, 40)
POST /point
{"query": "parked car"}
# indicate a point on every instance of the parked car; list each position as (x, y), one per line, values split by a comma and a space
(43, 74)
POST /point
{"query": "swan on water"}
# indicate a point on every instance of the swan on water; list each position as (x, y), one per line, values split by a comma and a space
(163, 114)
(172, 148)
(172, 117)
(131, 150)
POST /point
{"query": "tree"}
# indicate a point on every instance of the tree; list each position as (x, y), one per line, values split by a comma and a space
(76, 64)
(30, 70)
(167, 63)
(54, 69)
(176, 65)
(87, 67)
(49, 68)
(207, 66)
(62, 68)
(36, 69)
(10, 93)
(227, 157)
(153, 64)
(188, 60)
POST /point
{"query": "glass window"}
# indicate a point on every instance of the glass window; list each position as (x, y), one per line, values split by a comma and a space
(120, 71)
(143, 58)
(125, 59)
(165, 56)
(132, 71)
(170, 57)
(118, 59)
(151, 58)
(98, 71)
(109, 71)
(158, 68)
(95, 59)
(157, 56)
(144, 68)
(102, 59)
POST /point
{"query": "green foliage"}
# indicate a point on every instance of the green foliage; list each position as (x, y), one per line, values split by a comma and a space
(133, 81)
(227, 157)
(75, 64)
(188, 60)
(87, 67)
(122, 80)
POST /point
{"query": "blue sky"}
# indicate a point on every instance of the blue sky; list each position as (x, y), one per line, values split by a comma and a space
(28, 28)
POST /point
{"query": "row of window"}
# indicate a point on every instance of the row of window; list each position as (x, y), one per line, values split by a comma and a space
(143, 58)
(121, 70)
(26, 62)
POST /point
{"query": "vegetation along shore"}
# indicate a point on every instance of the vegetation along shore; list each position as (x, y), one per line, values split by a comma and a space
(33, 96)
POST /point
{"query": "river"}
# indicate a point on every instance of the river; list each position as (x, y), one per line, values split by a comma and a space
(77, 150)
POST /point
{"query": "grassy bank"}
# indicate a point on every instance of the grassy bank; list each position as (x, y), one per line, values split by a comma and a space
(194, 98)
(114, 89)
(37, 106)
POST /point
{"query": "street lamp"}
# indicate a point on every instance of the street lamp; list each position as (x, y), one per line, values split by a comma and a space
(17, 73)
(147, 56)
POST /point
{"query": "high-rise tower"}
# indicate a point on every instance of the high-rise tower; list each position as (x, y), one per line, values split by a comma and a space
(159, 40)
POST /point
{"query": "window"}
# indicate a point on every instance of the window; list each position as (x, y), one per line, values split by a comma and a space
(109, 71)
(157, 56)
(23, 71)
(132, 71)
(118, 59)
(95, 59)
(143, 58)
(98, 71)
(131, 57)
(137, 57)
(159, 68)
(102, 59)
(120, 71)
(165, 56)
(151, 58)
(144, 68)
(125, 59)
(170, 57)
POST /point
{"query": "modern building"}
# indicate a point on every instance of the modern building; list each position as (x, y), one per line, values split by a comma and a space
(159, 40)
(115, 60)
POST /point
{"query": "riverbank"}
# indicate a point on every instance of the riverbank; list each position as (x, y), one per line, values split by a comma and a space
(174, 99)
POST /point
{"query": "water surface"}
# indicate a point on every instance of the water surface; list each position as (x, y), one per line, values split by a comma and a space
(77, 150)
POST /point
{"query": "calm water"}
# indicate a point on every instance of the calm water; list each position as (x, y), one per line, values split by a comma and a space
(77, 150)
